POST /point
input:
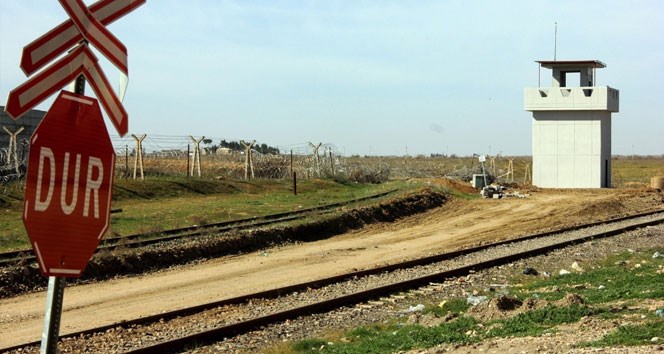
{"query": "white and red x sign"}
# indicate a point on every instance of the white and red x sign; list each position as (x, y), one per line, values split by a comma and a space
(84, 24)
(66, 35)
(93, 31)
(80, 61)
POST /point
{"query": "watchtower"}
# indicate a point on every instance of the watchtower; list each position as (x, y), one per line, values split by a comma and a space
(571, 128)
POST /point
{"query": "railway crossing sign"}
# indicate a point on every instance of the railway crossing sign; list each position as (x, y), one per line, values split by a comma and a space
(80, 61)
(70, 174)
(66, 35)
(85, 25)
(68, 185)
(71, 157)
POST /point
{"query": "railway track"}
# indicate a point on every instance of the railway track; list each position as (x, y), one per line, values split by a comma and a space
(437, 268)
(144, 239)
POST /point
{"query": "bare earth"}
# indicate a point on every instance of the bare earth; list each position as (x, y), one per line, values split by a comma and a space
(452, 226)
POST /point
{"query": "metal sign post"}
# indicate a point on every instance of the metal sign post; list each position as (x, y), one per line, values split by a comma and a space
(56, 287)
(482, 158)
(52, 315)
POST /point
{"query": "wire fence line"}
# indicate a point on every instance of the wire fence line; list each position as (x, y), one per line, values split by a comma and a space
(165, 155)
(177, 155)
(155, 143)
(13, 161)
(169, 155)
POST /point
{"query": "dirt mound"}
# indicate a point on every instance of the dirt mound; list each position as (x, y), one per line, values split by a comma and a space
(506, 306)
(570, 299)
(601, 207)
(502, 307)
(454, 184)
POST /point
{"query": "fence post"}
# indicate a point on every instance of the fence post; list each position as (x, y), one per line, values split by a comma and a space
(138, 159)
(316, 157)
(248, 160)
(126, 170)
(12, 146)
(188, 152)
(197, 154)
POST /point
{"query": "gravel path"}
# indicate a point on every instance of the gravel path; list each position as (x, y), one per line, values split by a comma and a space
(120, 339)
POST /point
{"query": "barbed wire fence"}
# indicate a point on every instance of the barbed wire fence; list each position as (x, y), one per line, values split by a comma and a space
(165, 155)
(13, 161)
(175, 156)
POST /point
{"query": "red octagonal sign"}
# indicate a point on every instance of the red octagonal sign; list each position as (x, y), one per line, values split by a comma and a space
(69, 185)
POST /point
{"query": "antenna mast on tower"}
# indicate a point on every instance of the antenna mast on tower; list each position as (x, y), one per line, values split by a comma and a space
(555, 40)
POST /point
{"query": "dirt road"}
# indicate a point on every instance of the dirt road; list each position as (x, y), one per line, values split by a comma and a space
(454, 225)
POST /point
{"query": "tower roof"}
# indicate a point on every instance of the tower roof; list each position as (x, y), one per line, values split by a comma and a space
(550, 64)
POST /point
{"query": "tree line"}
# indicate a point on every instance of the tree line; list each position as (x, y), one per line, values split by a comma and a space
(237, 146)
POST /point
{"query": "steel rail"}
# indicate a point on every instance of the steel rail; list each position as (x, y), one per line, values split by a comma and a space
(228, 331)
(242, 327)
(144, 239)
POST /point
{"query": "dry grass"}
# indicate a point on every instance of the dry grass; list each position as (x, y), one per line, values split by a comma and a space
(634, 172)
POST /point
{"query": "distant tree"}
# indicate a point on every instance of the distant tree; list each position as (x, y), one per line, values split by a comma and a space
(236, 146)
(233, 145)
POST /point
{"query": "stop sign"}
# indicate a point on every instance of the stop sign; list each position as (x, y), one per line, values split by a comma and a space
(69, 184)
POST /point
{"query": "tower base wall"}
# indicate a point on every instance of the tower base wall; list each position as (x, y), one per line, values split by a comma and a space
(571, 149)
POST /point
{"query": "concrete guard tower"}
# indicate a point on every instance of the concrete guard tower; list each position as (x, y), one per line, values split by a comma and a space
(572, 127)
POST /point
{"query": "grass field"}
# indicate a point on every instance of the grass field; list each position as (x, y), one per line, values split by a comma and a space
(165, 200)
(164, 203)
(636, 171)
(628, 171)
(214, 201)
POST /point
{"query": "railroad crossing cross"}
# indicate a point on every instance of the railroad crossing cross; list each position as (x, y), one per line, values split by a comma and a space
(70, 173)
(80, 61)
(96, 33)
(85, 24)
(64, 36)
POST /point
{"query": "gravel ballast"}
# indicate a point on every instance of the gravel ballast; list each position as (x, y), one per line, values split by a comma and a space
(120, 339)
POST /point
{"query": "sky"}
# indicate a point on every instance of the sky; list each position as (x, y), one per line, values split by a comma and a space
(366, 77)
